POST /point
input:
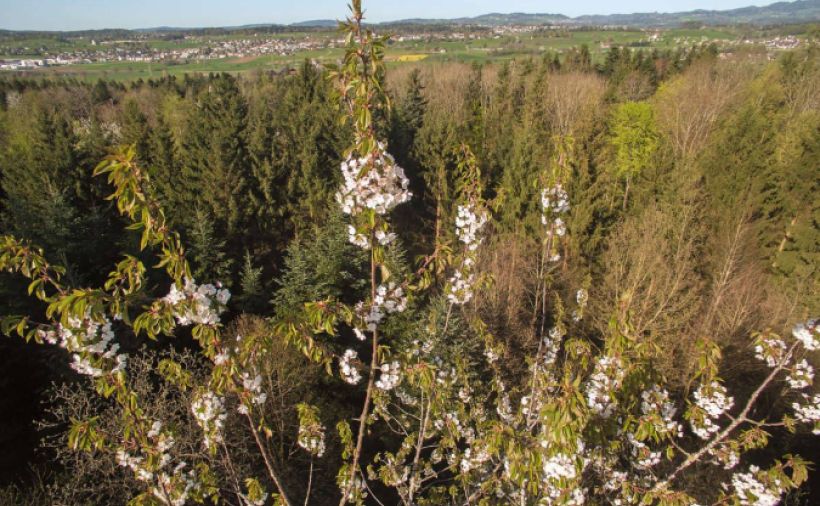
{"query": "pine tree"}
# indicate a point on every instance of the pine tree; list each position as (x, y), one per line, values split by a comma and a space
(134, 130)
(216, 171)
(251, 297)
(164, 169)
(207, 252)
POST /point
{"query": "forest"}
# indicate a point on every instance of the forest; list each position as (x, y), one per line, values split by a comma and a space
(545, 281)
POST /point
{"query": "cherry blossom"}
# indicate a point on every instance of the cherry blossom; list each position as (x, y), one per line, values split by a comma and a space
(350, 374)
(372, 182)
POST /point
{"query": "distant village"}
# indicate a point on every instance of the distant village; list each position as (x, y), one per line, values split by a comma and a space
(198, 48)
(140, 51)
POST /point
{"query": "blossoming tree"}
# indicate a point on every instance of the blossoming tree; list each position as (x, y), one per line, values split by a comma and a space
(591, 421)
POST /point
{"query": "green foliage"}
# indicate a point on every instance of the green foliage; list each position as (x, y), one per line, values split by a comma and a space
(634, 141)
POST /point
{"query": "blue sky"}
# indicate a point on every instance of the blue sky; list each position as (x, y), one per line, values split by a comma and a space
(88, 14)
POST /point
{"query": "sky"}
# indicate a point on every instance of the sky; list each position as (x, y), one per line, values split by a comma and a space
(95, 14)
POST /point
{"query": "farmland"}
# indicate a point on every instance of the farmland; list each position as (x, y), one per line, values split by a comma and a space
(148, 56)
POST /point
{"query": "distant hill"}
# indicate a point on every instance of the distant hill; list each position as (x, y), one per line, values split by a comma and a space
(800, 11)
(317, 23)
(782, 12)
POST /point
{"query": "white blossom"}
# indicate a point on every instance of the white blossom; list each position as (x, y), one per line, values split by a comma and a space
(554, 200)
(357, 238)
(655, 404)
(391, 298)
(359, 334)
(385, 238)
(713, 400)
(372, 182)
(559, 466)
(809, 334)
(390, 376)
(771, 350)
(197, 304)
(209, 413)
(752, 492)
(809, 412)
(350, 374)
(312, 438)
(91, 343)
(801, 376)
(554, 203)
(253, 386)
(473, 458)
(643, 457)
(605, 380)
(469, 222)
(156, 427)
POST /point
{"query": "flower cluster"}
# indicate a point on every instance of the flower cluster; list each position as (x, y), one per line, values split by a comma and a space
(559, 466)
(91, 344)
(311, 431)
(713, 402)
(390, 376)
(350, 374)
(469, 222)
(752, 492)
(198, 305)
(801, 376)
(726, 454)
(172, 488)
(809, 412)
(559, 473)
(656, 406)
(209, 412)
(771, 350)
(554, 204)
(605, 380)
(358, 238)
(554, 201)
(582, 298)
(253, 388)
(372, 182)
(473, 458)
(389, 299)
(178, 486)
(461, 286)
(643, 457)
(809, 334)
(552, 345)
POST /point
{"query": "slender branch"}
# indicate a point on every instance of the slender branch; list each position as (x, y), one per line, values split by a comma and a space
(722, 435)
(419, 445)
(232, 471)
(310, 482)
(271, 471)
(371, 382)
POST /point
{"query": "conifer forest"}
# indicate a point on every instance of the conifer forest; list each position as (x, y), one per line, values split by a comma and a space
(545, 281)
